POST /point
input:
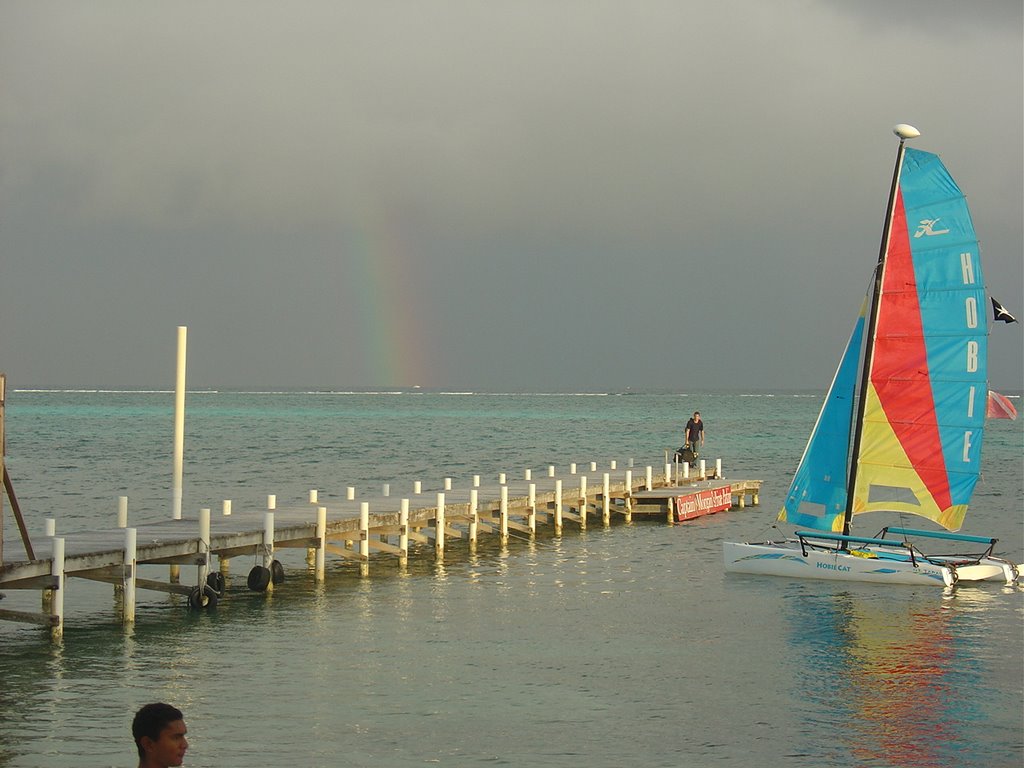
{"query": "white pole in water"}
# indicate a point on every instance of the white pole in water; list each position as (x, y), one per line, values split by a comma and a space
(122, 511)
(57, 604)
(268, 542)
(364, 531)
(403, 529)
(503, 513)
(320, 559)
(531, 519)
(130, 565)
(179, 423)
(583, 502)
(226, 508)
(606, 501)
(204, 549)
(474, 515)
(558, 507)
(439, 522)
(314, 495)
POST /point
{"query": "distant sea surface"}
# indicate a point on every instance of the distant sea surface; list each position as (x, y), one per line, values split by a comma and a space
(625, 646)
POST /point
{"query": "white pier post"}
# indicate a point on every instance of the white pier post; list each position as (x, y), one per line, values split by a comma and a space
(350, 493)
(593, 466)
(447, 483)
(572, 468)
(558, 507)
(628, 495)
(551, 470)
(504, 514)
(268, 542)
(718, 468)
(531, 512)
(703, 470)
(686, 470)
(583, 502)
(439, 526)
(321, 550)
(527, 474)
(649, 481)
(179, 423)
(613, 464)
(606, 502)
(417, 487)
(204, 549)
(668, 474)
(57, 602)
(314, 496)
(122, 511)
(403, 530)
(364, 531)
(385, 490)
(474, 516)
(224, 563)
(501, 478)
(476, 481)
(130, 566)
(50, 530)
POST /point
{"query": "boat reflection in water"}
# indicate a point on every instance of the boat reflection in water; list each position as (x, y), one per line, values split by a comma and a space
(889, 673)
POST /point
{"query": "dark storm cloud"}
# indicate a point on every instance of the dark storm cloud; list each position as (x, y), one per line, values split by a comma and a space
(565, 195)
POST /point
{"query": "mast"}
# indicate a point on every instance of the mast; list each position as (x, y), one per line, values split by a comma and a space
(905, 132)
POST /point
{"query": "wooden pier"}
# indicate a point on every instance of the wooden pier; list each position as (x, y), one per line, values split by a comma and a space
(357, 528)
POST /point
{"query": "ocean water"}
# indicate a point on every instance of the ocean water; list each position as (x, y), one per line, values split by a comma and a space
(611, 647)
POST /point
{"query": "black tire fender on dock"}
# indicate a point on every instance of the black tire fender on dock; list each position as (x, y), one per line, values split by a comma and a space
(259, 578)
(276, 572)
(202, 597)
(215, 581)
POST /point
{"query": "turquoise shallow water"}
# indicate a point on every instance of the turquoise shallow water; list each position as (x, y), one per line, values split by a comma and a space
(626, 646)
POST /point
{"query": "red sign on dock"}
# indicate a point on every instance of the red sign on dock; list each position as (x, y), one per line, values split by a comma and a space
(702, 503)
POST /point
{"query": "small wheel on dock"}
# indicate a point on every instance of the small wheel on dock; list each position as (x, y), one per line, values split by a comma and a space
(202, 597)
(215, 581)
(276, 572)
(259, 578)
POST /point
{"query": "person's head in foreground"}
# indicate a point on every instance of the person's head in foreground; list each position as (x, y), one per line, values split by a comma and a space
(159, 731)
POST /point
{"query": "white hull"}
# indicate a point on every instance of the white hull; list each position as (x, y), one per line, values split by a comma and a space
(787, 559)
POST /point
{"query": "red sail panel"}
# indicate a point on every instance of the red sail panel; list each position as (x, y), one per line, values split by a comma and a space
(899, 371)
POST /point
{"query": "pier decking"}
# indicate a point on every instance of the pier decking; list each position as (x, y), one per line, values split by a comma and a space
(353, 528)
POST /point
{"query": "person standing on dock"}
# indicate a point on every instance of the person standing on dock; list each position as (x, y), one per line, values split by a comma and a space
(159, 732)
(695, 434)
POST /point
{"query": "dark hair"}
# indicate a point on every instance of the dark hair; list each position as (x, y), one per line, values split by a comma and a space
(151, 721)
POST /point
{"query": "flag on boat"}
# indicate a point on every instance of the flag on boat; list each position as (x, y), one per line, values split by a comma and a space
(1000, 407)
(999, 312)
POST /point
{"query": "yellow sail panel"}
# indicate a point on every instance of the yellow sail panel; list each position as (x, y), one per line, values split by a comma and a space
(886, 479)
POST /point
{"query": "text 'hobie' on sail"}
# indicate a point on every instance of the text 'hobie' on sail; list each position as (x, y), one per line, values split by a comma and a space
(910, 443)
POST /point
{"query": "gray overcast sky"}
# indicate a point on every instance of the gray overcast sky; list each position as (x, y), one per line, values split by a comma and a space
(481, 195)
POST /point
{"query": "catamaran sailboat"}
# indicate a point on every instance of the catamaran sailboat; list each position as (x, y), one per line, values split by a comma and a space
(901, 426)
